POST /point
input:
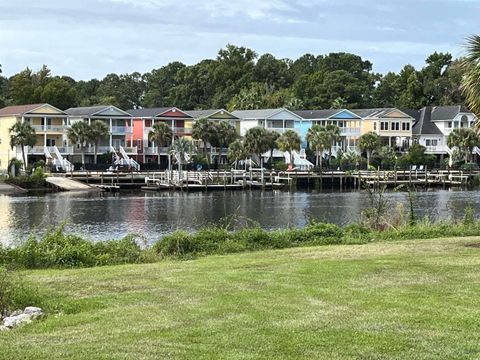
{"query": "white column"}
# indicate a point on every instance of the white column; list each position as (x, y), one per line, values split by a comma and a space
(111, 128)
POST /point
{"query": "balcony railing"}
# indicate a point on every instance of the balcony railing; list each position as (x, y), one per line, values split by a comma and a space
(178, 131)
(122, 130)
(153, 150)
(349, 131)
(41, 150)
(53, 128)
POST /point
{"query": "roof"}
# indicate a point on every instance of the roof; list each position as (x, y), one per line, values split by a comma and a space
(424, 125)
(259, 113)
(447, 112)
(91, 110)
(197, 114)
(316, 114)
(155, 112)
(19, 109)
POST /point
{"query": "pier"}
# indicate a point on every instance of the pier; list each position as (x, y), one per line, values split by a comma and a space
(264, 179)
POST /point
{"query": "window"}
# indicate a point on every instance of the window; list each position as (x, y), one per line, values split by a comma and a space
(383, 125)
(50, 142)
(375, 126)
(406, 126)
(449, 124)
(431, 142)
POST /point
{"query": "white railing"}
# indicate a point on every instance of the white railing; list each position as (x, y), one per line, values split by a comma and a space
(349, 131)
(53, 128)
(439, 149)
(121, 130)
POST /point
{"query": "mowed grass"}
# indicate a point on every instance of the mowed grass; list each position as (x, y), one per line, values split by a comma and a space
(398, 300)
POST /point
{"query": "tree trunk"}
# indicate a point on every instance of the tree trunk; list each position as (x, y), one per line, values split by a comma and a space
(316, 158)
(95, 153)
(368, 159)
(321, 160)
(292, 162)
(207, 153)
(158, 156)
(83, 158)
(24, 158)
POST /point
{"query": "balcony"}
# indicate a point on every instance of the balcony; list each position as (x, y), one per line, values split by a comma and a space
(153, 150)
(350, 131)
(282, 130)
(49, 128)
(122, 130)
(177, 131)
(40, 150)
(439, 149)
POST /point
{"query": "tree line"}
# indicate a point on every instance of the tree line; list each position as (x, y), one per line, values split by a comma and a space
(238, 78)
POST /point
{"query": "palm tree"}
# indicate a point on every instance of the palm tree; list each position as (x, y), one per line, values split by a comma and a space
(97, 130)
(256, 143)
(161, 134)
(333, 133)
(22, 134)
(289, 141)
(272, 137)
(471, 77)
(79, 134)
(369, 142)
(236, 152)
(181, 149)
(204, 130)
(318, 140)
(465, 139)
(223, 134)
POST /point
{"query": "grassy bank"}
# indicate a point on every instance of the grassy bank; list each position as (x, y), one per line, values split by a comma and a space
(400, 300)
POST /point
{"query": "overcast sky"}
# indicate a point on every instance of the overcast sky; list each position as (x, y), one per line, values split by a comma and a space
(91, 38)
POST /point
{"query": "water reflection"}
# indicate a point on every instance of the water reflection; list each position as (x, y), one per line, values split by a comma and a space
(106, 216)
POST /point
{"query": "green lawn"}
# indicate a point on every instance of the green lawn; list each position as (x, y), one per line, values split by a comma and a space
(399, 300)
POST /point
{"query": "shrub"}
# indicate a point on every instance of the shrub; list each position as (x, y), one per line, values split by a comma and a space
(324, 234)
(356, 234)
(178, 243)
(113, 252)
(15, 293)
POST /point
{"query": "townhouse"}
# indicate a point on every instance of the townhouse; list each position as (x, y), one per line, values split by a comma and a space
(433, 125)
(180, 122)
(128, 130)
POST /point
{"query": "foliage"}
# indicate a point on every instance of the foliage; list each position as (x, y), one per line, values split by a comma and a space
(368, 143)
(16, 293)
(256, 142)
(289, 141)
(465, 140)
(35, 180)
(161, 134)
(96, 131)
(239, 79)
(79, 134)
(416, 156)
(22, 134)
(57, 249)
(471, 67)
(318, 140)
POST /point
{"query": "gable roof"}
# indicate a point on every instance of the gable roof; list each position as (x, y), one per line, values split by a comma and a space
(316, 114)
(447, 112)
(376, 112)
(92, 110)
(23, 109)
(261, 113)
(156, 112)
(424, 125)
(197, 114)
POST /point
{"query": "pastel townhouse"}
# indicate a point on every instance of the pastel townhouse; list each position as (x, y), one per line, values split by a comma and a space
(120, 131)
(143, 120)
(433, 125)
(348, 122)
(393, 126)
(216, 115)
(50, 125)
(278, 120)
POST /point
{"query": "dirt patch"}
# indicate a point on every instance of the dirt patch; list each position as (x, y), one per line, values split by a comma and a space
(474, 245)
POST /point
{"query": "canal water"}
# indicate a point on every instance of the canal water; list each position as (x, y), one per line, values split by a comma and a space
(151, 215)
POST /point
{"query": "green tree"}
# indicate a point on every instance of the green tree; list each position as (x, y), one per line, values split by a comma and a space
(158, 84)
(96, 131)
(289, 141)
(22, 134)
(471, 65)
(79, 134)
(236, 152)
(368, 143)
(334, 135)
(465, 139)
(271, 139)
(59, 93)
(205, 131)
(416, 156)
(256, 143)
(181, 150)
(161, 134)
(318, 141)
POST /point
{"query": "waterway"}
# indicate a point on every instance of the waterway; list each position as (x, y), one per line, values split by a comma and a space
(151, 215)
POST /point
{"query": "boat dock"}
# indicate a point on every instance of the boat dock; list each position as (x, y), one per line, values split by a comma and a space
(64, 184)
(266, 179)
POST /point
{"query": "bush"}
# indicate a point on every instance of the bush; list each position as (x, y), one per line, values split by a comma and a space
(35, 180)
(178, 243)
(15, 293)
(114, 252)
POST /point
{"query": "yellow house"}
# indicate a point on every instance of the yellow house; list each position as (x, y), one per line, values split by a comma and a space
(49, 123)
(392, 125)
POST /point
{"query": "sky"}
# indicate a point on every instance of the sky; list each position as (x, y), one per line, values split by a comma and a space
(91, 38)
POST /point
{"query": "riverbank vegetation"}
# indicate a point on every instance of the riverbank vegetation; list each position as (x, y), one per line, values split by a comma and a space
(59, 249)
(402, 300)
